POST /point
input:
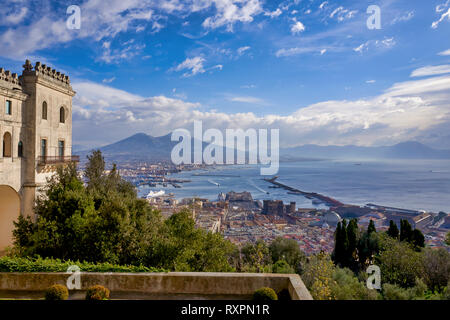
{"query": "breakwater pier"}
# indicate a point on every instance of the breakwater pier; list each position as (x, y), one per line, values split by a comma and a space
(317, 197)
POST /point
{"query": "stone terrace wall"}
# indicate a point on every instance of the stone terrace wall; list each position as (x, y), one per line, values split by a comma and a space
(172, 283)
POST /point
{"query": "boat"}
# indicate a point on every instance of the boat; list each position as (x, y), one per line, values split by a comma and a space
(214, 183)
(154, 194)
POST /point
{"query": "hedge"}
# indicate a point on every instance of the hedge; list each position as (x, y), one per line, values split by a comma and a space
(18, 264)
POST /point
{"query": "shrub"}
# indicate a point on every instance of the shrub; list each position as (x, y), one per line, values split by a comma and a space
(318, 276)
(346, 286)
(282, 266)
(18, 264)
(394, 292)
(97, 292)
(400, 264)
(265, 294)
(57, 292)
(437, 268)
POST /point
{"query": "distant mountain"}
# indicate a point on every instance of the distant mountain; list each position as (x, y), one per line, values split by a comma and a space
(147, 148)
(405, 150)
(77, 147)
(137, 147)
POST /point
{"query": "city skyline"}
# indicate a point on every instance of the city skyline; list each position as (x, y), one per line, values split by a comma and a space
(313, 69)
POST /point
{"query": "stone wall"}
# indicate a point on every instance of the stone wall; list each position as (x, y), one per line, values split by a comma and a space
(152, 285)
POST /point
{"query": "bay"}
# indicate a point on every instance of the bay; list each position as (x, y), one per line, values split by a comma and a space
(410, 184)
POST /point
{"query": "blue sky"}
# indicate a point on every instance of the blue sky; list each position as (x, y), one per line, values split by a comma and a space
(311, 68)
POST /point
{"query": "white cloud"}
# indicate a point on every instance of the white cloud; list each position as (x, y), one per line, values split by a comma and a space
(441, 7)
(251, 100)
(124, 53)
(16, 17)
(412, 110)
(431, 71)
(46, 28)
(109, 80)
(218, 66)
(361, 47)
(342, 14)
(274, 14)
(194, 65)
(371, 81)
(386, 43)
(444, 53)
(101, 22)
(435, 24)
(406, 17)
(323, 5)
(248, 86)
(336, 11)
(297, 27)
(231, 11)
(298, 50)
(241, 50)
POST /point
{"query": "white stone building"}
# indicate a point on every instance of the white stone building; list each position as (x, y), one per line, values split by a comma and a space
(35, 137)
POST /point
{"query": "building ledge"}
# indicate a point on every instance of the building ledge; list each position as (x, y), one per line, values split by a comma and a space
(42, 161)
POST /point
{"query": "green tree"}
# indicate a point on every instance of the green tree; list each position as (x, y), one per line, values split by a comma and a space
(405, 231)
(318, 276)
(282, 266)
(371, 227)
(94, 171)
(183, 247)
(77, 223)
(368, 246)
(287, 250)
(256, 256)
(418, 239)
(352, 235)
(346, 286)
(400, 264)
(341, 244)
(393, 230)
(436, 263)
(447, 239)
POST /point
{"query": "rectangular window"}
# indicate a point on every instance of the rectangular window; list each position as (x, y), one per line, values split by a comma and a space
(8, 107)
(43, 147)
(61, 148)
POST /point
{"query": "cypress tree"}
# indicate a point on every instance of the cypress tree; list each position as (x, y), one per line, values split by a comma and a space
(336, 255)
(405, 231)
(393, 230)
(371, 227)
(418, 238)
(341, 243)
(352, 234)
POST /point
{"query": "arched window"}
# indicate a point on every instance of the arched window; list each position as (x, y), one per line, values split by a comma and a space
(62, 115)
(20, 149)
(44, 110)
(7, 145)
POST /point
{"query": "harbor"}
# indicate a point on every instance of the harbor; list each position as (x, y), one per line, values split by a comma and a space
(316, 198)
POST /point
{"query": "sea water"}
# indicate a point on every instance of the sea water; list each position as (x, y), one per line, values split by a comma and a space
(409, 184)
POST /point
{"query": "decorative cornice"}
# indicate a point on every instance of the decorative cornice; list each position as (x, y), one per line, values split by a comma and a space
(7, 76)
(47, 73)
(15, 94)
